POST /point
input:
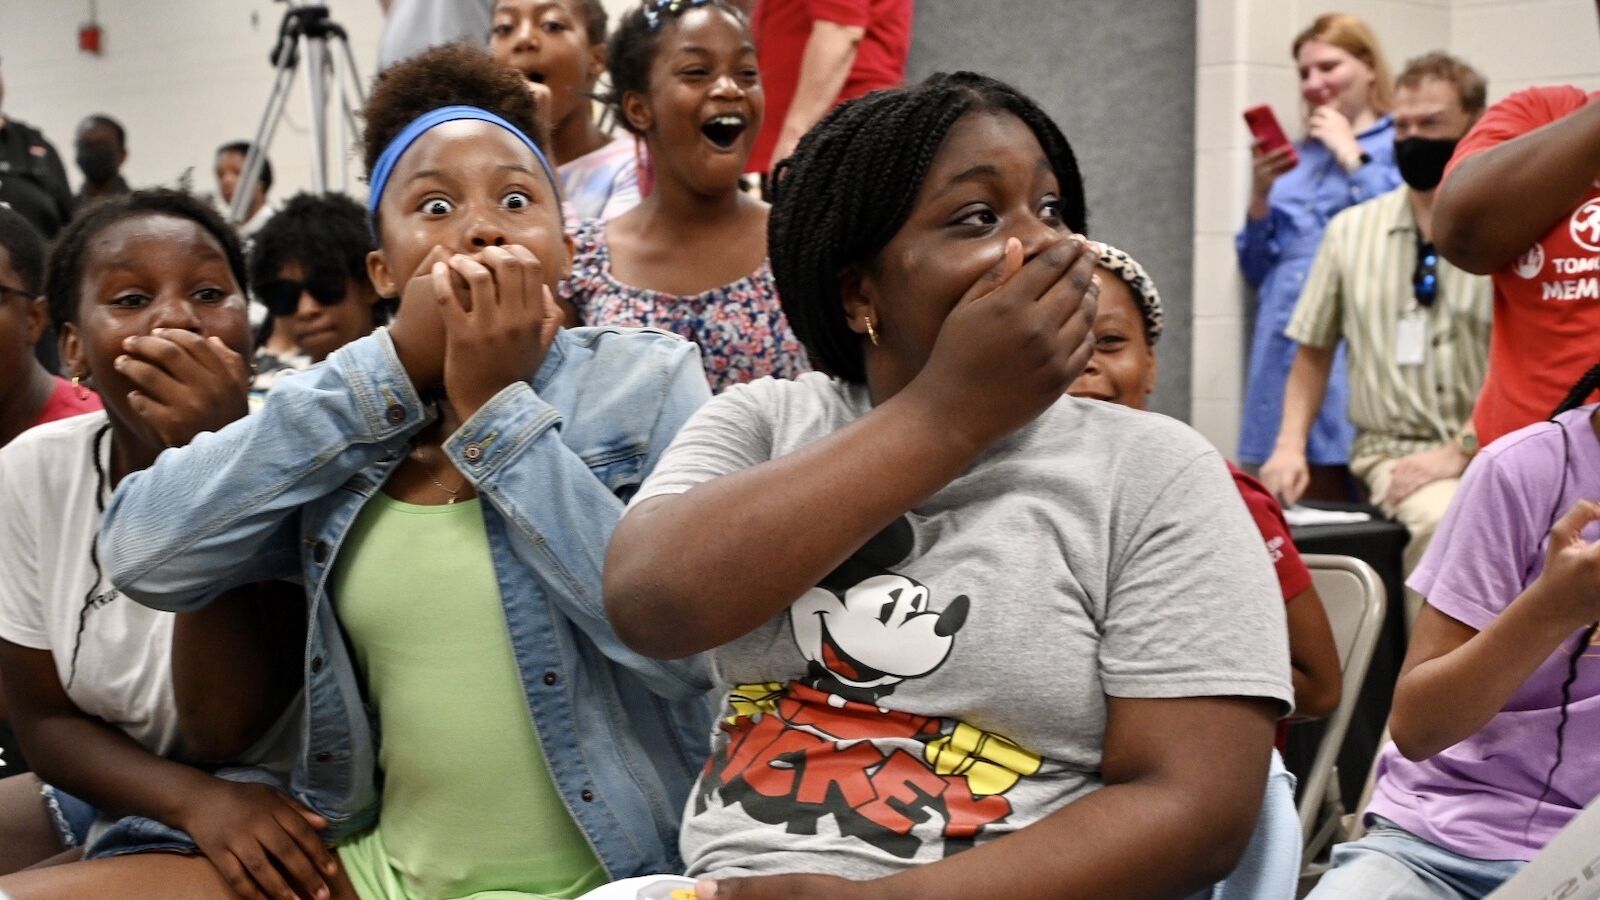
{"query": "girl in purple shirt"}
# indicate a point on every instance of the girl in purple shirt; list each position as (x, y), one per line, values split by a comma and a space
(1496, 718)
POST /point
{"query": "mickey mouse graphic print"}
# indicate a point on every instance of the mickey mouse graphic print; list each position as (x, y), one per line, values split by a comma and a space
(946, 684)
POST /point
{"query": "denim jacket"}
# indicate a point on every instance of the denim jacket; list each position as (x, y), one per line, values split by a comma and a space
(273, 496)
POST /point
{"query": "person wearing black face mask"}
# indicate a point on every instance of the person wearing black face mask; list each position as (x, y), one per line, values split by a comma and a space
(1417, 327)
(101, 147)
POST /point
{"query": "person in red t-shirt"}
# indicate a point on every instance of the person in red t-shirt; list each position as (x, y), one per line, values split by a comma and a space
(29, 394)
(1520, 202)
(815, 54)
(1127, 324)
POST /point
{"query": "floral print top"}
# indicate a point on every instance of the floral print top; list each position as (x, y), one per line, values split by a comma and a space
(740, 326)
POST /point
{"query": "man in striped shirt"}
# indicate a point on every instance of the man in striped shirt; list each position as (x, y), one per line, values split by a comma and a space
(1417, 327)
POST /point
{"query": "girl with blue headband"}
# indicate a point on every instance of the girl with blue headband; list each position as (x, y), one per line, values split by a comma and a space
(445, 489)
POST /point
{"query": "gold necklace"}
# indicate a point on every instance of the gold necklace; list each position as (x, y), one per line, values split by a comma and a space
(416, 454)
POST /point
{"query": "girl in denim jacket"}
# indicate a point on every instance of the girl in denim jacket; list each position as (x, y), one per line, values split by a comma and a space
(445, 489)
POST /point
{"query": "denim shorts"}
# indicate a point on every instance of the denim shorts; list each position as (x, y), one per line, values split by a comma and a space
(71, 816)
(1390, 863)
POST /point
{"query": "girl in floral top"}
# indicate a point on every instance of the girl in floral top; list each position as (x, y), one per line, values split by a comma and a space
(692, 257)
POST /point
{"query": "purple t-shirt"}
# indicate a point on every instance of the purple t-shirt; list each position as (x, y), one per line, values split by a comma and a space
(1478, 797)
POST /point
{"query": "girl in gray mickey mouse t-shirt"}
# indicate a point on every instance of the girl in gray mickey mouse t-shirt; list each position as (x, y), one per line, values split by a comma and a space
(945, 604)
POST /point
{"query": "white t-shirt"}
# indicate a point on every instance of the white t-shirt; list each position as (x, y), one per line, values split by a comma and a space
(947, 685)
(50, 588)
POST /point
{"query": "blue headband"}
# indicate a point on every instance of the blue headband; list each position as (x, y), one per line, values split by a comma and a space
(427, 121)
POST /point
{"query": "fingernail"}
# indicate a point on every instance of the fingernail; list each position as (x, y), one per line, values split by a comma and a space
(127, 343)
(119, 362)
(705, 888)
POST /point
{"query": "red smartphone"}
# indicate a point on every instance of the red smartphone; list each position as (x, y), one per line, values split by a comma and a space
(1263, 125)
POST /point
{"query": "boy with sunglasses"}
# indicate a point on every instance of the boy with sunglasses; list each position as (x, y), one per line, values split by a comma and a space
(308, 266)
(1417, 328)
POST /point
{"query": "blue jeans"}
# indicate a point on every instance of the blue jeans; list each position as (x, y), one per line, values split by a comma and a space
(1270, 867)
(1390, 863)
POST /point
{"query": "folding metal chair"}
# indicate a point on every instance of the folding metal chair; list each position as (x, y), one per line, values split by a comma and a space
(1353, 596)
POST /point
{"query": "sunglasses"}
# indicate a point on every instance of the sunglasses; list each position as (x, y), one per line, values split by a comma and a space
(1425, 280)
(281, 296)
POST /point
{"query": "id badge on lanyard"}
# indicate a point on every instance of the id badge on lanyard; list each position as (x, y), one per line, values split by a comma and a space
(1411, 339)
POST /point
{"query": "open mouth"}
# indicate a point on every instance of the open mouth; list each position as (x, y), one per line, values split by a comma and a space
(843, 664)
(724, 130)
(535, 77)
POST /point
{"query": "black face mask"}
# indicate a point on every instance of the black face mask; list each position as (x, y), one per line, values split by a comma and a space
(1422, 160)
(97, 162)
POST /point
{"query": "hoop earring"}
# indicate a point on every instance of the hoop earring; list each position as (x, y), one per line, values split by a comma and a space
(872, 333)
(77, 386)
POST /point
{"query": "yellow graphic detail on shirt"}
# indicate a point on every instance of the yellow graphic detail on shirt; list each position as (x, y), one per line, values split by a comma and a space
(747, 700)
(991, 762)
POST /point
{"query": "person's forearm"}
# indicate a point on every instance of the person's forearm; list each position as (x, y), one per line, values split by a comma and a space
(249, 640)
(1098, 846)
(178, 533)
(830, 53)
(1443, 701)
(694, 571)
(1498, 202)
(104, 767)
(1302, 396)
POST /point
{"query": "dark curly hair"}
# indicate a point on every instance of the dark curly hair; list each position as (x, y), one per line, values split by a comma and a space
(632, 49)
(25, 246)
(851, 184)
(64, 272)
(325, 234)
(449, 75)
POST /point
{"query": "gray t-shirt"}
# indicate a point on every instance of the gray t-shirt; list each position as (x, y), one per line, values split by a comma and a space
(947, 685)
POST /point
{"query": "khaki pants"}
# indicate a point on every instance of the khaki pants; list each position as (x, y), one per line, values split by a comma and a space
(1419, 513)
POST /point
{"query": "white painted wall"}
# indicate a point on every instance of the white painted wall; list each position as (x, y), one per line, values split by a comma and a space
(1521, 43)
(1243, 58)
(183, 76)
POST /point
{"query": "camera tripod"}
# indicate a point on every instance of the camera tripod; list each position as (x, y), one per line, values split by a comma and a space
(306, 33)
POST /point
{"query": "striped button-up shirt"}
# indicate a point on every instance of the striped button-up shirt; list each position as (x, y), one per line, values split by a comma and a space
(1360, 290)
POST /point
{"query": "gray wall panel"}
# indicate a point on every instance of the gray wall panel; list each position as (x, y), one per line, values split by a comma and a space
(1119, 77)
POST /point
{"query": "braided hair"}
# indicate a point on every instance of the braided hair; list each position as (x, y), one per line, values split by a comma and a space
(851, 185)
(1581, 391)
(1586, 386)
(633, 45)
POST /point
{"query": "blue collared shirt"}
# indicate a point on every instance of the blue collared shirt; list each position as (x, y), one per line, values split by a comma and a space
(1275, 254)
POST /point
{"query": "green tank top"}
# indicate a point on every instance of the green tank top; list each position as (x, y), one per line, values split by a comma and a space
(469, 809)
